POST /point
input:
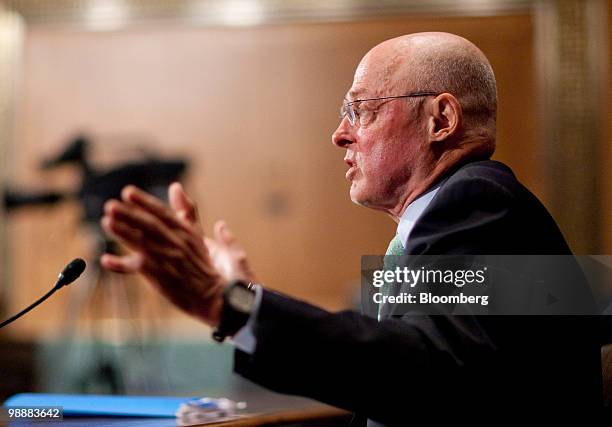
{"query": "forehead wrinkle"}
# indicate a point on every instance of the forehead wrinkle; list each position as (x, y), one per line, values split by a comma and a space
(386, 82)
(377, 74)
(394, 69)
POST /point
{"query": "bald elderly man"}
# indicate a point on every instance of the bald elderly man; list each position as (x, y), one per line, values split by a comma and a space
(418, 127)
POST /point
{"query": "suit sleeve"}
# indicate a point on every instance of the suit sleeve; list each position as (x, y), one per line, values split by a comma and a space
(390, 368)
(356, 363)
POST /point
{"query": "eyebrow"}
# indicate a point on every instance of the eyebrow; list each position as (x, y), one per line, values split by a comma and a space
(354, 93)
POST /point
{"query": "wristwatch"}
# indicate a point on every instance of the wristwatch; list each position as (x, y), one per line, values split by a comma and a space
(238, 302)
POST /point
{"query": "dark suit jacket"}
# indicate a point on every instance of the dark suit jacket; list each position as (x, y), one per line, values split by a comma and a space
(439, 365)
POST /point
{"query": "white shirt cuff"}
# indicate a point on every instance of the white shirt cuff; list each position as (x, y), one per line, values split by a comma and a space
(244, 339)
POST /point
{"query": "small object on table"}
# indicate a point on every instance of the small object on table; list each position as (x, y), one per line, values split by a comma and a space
(209, 409)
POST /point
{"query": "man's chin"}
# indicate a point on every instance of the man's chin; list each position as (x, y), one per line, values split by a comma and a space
(361, 198)
(358, 197)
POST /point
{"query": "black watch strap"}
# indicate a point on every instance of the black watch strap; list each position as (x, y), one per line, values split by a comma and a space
(238, 299)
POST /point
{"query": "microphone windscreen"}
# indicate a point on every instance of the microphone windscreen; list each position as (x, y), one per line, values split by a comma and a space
(72, 271)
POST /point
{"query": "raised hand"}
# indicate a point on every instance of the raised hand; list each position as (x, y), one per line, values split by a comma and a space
(167, 248)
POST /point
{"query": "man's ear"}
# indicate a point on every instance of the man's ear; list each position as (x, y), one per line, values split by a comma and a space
(445, 117)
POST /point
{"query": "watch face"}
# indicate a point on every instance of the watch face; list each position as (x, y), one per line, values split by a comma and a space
(241, 299)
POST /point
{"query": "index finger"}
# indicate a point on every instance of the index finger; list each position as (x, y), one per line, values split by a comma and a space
(150, 203)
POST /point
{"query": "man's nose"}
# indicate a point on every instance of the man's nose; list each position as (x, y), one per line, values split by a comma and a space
(342, 136)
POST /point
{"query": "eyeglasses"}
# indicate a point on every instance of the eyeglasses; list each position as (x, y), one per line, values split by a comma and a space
(365, 117)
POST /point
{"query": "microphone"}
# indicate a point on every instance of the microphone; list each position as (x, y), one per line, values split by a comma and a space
(71, 272)
(68, 275)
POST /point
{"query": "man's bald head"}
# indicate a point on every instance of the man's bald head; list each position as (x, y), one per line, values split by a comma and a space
(396, 146)
(441, 62)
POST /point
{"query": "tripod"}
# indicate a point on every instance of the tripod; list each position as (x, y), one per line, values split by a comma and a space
(108, 309)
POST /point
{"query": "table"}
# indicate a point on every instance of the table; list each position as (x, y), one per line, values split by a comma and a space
(315, 414)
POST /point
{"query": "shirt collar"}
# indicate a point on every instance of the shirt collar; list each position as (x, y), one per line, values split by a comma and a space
(413, 212)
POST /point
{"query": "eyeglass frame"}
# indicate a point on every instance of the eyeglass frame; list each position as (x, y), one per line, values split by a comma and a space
(347, 106)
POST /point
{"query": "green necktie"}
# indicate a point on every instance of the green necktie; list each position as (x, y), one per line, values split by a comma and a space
(394, 251)
(395, 246)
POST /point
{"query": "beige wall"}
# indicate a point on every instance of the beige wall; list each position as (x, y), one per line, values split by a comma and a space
(253, 109)
(606, 174)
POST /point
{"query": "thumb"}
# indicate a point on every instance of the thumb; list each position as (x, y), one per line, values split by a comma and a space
(125, 264)
(223, 233)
